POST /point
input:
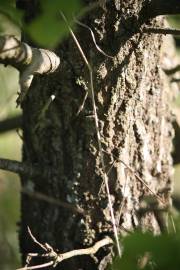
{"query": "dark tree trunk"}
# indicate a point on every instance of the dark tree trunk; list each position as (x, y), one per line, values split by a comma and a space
(135, 126)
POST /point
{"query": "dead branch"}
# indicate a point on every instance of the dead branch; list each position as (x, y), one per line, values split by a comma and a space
(22, 168)
(164, 31)
(86, 251)
(56, 258)
(9, 124)
(40, 266)
(46, 198)
(31, 171)
(29, 61)
(36, 241)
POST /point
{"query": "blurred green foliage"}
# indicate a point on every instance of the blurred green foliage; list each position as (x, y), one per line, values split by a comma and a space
(48, 28)
(9, 216)
(174, 20)
(8, 8)
(146, 251)
(10, 147)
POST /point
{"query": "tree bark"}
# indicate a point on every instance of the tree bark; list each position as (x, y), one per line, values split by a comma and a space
(135, 127)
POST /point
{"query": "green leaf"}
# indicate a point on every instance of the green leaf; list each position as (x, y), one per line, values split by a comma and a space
(163, 251)
(49, 28)
(8, 8)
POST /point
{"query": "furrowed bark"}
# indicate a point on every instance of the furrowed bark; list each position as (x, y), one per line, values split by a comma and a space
(135, 127)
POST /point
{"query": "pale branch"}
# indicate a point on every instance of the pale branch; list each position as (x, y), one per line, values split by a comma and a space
(164, 31)
(11, 123)
(36, 241)
(85, 251)
(40, 266)
(28, 60)
(56, 258)
(22, 168)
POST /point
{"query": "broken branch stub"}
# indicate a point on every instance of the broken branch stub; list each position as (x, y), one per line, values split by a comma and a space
(28, 60)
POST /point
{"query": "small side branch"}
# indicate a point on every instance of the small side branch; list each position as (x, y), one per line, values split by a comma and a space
(34, 171)
(86, 251)
(20, 167)
(29, 61)
(11, 123)
(46, 198)
(164, 31)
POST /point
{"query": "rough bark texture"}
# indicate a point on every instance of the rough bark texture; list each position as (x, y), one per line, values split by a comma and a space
(135, 125)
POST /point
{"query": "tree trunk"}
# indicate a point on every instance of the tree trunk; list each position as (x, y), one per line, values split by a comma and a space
(135, 128)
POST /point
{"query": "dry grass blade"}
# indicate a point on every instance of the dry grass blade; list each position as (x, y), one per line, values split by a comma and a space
(93, 38)
(105, 178)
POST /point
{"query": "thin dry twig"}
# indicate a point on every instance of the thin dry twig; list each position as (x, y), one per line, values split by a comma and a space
(105, 177)
(40, 266)
(124, 198)
(85, 251)
(138, 177)
(82, 104)
(35, 240)
(23, 168)
(142, 181)
(93, 38)
(172, 222)
(56, 258)
(44, 109)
